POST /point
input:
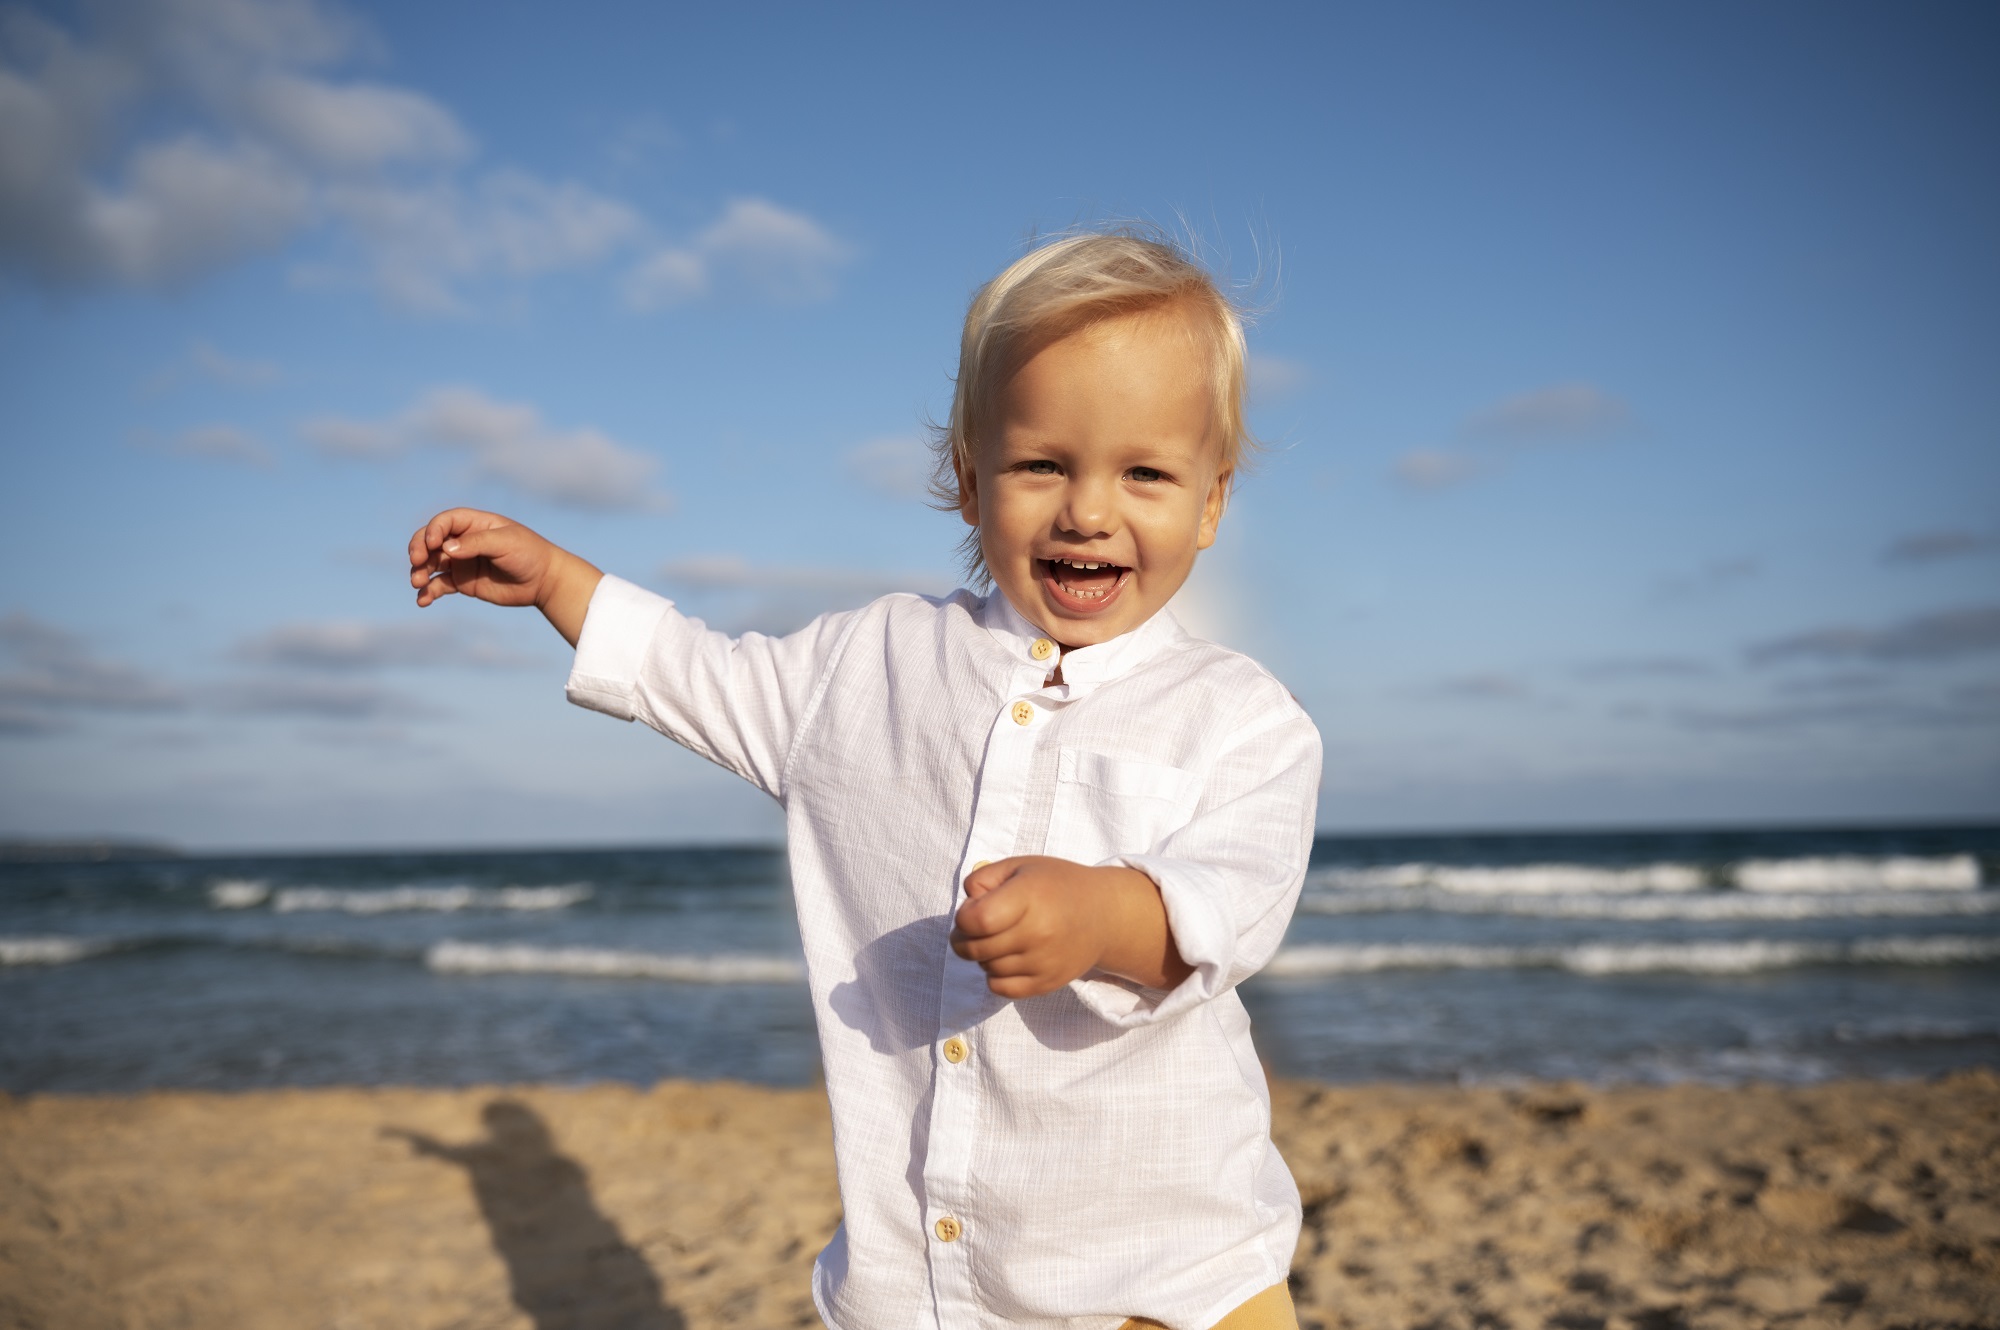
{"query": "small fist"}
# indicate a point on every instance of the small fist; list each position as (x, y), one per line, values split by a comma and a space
(1030, 925)
(483, 555)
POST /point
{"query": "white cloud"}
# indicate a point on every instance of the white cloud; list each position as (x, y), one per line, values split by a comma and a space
(338, 437)
(779, 254)
(776, 598)
(508, 442)
(786, 254)
(355, 127)
(667, 277)
(344, 645)
(732, 572)
(1275, 376)
(205, 361)
(326, 699)
(182, 202)
(1485, 688)
(1938, 636)
(1435, 469)
(1930, 546)
(221, 443)
(896, 465)
(1561, 413)
(1644, 667)
(422, 243)
(175, 137)
(231, 370)
(185, 206)
(50, 672)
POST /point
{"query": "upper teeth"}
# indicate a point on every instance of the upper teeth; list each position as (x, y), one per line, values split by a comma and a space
(1087, 567)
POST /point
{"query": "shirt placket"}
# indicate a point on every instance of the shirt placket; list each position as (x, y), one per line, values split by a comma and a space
(951, 1217)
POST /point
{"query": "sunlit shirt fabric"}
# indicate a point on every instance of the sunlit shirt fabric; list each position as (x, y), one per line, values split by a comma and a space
(1063, 1161)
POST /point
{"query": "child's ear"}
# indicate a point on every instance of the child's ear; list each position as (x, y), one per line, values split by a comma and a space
(968, 495)
(1211, 510)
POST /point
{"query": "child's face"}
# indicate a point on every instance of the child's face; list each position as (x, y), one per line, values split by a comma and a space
(1102, 451)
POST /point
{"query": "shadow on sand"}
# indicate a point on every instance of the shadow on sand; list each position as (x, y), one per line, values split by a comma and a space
(570, 1267)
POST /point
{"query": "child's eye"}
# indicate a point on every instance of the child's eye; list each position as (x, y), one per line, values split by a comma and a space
(1041, 466)
(1146, 474)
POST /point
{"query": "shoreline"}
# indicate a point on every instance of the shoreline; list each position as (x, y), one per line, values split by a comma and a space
(690, 1205)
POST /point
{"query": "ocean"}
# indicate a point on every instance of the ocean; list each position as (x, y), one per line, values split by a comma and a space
(1723, 956)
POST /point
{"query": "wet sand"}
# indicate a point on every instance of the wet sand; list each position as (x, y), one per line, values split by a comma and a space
(692, 1206)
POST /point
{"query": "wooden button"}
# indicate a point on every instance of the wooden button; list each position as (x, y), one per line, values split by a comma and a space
(947, 1229)
(1042, 649)
(954, 1050)
(1024, 713)
(981, 864)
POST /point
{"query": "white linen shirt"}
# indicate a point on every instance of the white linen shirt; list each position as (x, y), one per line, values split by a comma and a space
(1068, 1160)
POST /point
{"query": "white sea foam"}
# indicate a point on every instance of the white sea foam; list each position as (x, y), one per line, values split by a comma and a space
(714, 968)
(235, 893)
(1854, 872)
(1716, 905)
(50, 950)
(387, 900)
(1516, 879)
(1818, 875)
(1731, 956)
(1904, 1030)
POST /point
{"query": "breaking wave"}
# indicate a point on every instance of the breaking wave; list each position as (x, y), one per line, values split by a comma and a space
(245, 895)
(717, 968)
(1515, 880)
(1808, 875)
(1703, 906)
(1853, 872)
(51, 950)
(1735, 956)
(238, 894)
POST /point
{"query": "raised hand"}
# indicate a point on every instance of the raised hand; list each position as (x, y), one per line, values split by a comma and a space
(1035, 923)
(463, 551)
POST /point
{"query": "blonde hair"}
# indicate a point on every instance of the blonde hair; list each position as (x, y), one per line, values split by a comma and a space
(1062, 288)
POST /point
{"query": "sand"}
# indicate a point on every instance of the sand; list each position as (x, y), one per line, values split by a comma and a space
(690, 1206)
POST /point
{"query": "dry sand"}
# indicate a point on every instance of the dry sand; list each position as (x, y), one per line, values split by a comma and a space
(691, 1206)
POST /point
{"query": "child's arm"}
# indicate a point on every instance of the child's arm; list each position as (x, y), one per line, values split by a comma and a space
(735, 701)
(1036, 923)
(488, 557)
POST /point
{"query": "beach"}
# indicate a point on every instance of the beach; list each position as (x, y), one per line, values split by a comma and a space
(690, 1205)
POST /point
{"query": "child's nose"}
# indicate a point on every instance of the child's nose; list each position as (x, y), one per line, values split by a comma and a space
(1088, 509)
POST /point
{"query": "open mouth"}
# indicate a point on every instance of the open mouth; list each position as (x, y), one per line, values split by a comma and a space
(1082, 584)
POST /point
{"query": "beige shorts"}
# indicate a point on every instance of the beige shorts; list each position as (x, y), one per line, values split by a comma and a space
(1269, 1310)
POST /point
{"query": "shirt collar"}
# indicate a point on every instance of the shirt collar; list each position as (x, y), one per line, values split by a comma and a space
(1083, 666)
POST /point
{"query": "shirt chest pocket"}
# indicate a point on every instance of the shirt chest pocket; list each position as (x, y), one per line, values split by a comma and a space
(1107, 806)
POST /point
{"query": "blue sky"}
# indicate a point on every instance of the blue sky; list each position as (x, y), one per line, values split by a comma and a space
(1627, 371)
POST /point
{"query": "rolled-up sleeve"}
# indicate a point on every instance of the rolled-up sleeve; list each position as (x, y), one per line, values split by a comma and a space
(1230, 877)
(737, 701)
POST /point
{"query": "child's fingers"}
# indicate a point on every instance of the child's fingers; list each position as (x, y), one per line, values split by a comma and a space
(1016, 987)
(1013, 966)
(985, 949)
(427, 540)
(436, 588)
(456, 522)
(992, 913)
(487, 544)
(987, 877)
(420, 555)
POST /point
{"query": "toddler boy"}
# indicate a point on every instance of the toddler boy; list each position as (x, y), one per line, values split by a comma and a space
(1037, 837)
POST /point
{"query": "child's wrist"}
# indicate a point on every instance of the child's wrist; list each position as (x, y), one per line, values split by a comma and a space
(565, 592)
